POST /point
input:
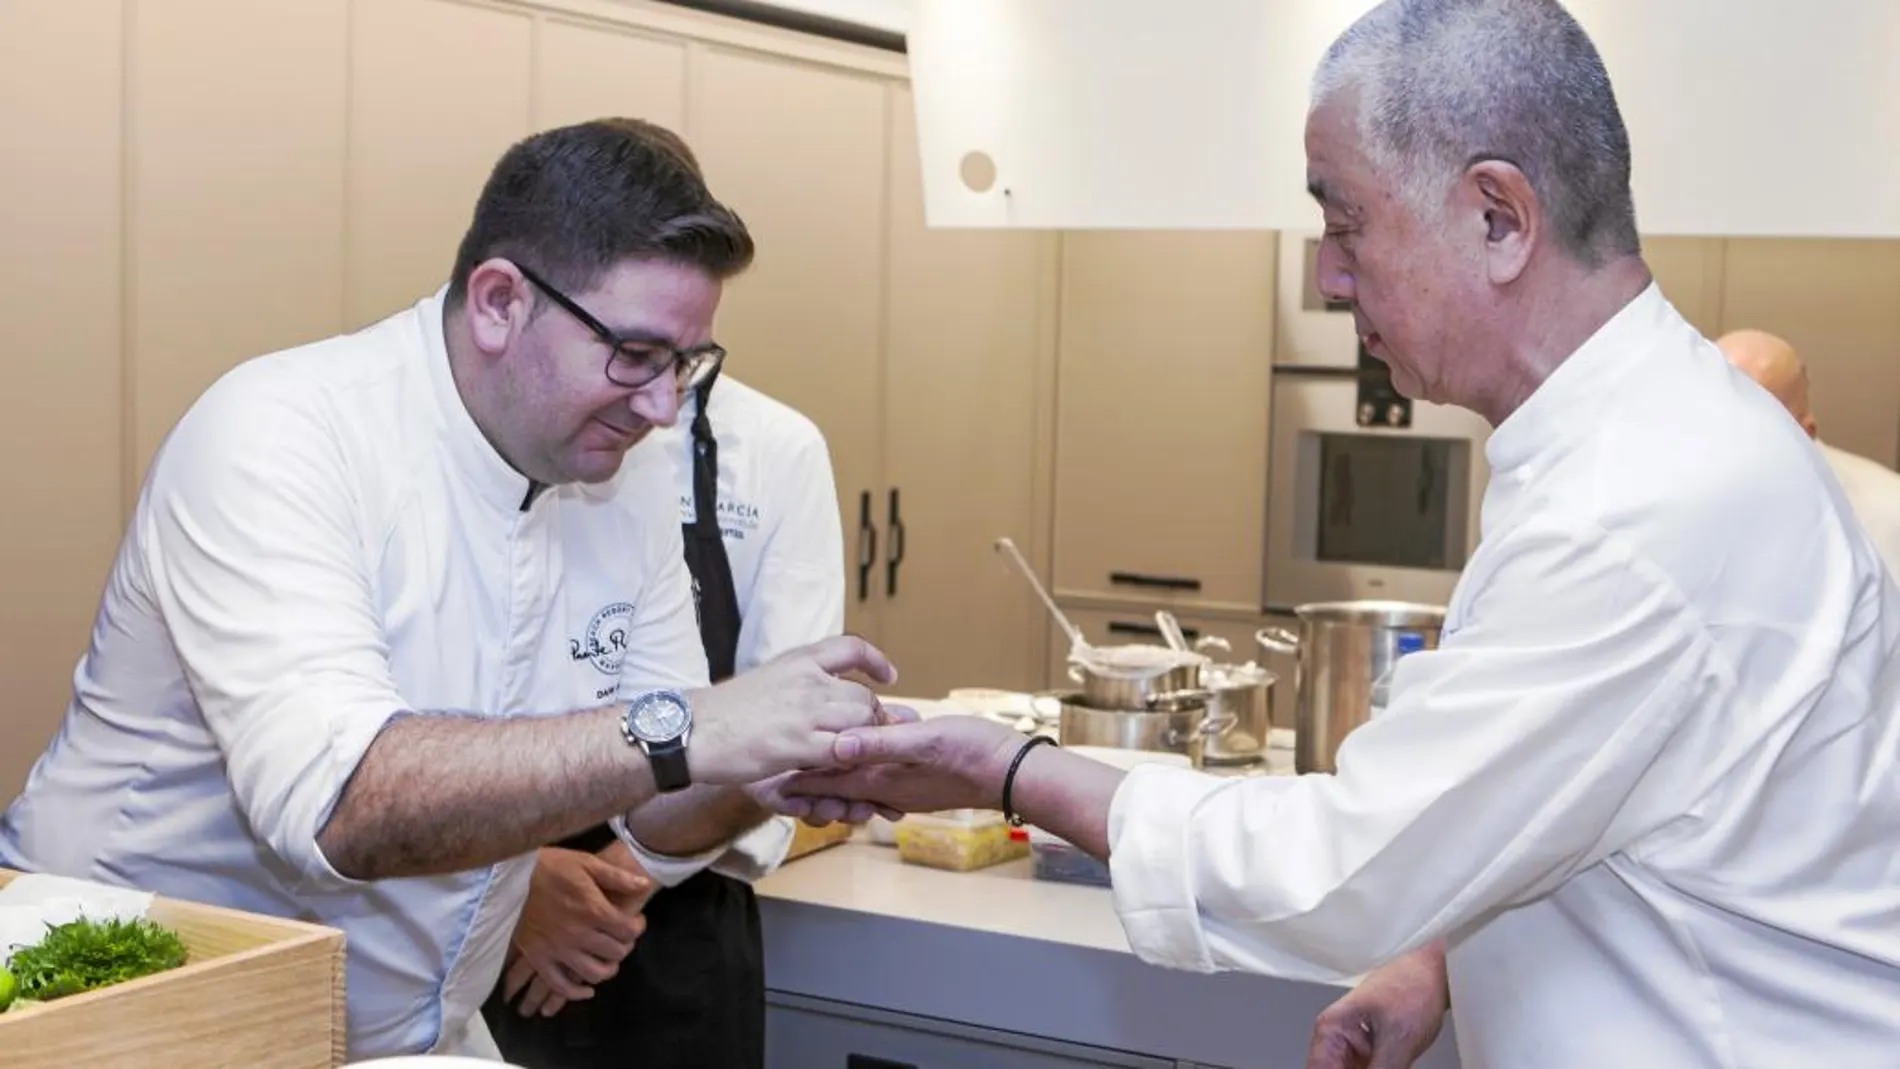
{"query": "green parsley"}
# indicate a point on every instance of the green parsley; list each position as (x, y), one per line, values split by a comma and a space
(87, 954)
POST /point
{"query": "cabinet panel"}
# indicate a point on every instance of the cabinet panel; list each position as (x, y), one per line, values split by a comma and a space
(1838, 302)
(60, 295)
(1161, 455)
(237, 197)
(1689, 271)
(586, 72)
(961, 418)
(807, 1034)
(438, 91)
(799, 152)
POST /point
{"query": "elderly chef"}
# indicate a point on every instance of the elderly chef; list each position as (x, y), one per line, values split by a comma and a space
(384, 621)
(1646, 790)
(762, 537)
(1872, 488)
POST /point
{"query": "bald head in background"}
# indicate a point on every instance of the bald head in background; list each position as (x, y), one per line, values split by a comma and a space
(1775, 364)
(1872, 488)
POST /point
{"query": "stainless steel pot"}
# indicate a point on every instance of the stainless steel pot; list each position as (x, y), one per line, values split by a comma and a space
(1182, 729)
(1244, 693)
(1135, 677)
(1343, 648)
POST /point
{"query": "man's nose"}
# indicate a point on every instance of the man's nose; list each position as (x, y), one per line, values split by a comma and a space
(1334, 281)
(658, 402)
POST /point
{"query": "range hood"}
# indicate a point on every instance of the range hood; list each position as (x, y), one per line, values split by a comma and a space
(1747, 117)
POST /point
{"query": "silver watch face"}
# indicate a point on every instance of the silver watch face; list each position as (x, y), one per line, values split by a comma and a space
(658, 716)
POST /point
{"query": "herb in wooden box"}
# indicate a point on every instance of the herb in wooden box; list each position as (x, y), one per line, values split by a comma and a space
(87, 954)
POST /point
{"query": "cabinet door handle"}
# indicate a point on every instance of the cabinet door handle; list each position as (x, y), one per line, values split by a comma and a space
(1159, 582)
(866, 1061)
(1123, 627)
(867, 545)
(897, 548)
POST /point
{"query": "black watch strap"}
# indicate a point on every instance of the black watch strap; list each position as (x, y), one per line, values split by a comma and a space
(669, 765)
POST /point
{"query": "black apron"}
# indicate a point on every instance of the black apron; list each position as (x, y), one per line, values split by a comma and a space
(692, 993)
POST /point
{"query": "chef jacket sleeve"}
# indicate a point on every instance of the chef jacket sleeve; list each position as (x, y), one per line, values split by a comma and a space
(1539, 738)
(796, 594)
(256, 558)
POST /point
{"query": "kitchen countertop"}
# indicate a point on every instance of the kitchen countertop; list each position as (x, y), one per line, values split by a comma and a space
(999, 949)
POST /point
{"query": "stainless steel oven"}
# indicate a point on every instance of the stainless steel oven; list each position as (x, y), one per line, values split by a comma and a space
(1370, 495)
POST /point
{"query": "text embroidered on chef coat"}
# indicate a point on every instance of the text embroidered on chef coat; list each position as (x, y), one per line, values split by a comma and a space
(737, 519)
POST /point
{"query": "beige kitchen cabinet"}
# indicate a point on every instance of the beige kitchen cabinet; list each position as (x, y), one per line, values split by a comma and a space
(1838, 301)
(1689, 272)
(236, 220)
(61, 290)
(586, 70)
(1161, 415)
(438, 91)
(799, 152)
(968, 357)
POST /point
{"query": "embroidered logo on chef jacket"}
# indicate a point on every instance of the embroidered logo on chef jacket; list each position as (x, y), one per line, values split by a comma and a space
(605, 642)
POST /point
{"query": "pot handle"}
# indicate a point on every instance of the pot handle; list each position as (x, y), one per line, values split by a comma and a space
(1215, 642)
(1278, 639)
(1206, 729)
(1075, 673)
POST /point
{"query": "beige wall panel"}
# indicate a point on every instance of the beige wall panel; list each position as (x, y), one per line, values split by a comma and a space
(61, 89)
(584, 71)
(799, 152)
(1689, 270)
(1838, 301)
(236, 192)
(438, 91)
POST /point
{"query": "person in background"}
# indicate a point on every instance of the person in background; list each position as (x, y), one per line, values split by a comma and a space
(1872, 488)
(1644, 790)
(764, 543)
(389, 615)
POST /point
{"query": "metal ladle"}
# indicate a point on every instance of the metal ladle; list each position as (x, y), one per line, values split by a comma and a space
(1077, 643)
(1171, 630)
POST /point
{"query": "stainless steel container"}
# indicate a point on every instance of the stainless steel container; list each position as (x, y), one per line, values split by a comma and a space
(1136, 676)
(1180, 727)
(1244, 693)
(1343, 648)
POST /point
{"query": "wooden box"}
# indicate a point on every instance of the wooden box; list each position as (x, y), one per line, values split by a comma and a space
(255, 992)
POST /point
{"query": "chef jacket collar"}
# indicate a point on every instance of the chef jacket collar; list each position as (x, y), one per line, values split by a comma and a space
(469, 449)
(1565, 405)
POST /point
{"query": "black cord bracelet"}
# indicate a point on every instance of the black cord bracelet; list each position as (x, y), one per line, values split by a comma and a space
(1009, 778)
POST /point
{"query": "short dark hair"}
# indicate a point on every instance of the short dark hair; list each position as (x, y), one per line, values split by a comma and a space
(572, 202)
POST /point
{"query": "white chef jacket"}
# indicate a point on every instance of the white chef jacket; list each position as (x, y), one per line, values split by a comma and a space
(325, 541)
(1646, 787)
(1873, 489)
(778, 515)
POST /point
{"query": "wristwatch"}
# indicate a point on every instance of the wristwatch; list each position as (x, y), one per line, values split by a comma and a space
(660, 722)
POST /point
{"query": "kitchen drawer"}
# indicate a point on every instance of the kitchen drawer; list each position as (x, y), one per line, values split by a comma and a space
(806, 1033)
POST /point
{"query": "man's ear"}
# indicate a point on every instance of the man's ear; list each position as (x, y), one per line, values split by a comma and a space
(498, 305)
(1513, 217)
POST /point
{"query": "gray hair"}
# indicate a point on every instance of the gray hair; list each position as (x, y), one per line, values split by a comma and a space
(1444, 84)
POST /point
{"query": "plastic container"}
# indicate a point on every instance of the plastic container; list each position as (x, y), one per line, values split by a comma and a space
(960, 840)
(1059, 862)
(1382, 687)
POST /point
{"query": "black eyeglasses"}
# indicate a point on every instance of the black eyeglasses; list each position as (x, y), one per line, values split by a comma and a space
(635, 362)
